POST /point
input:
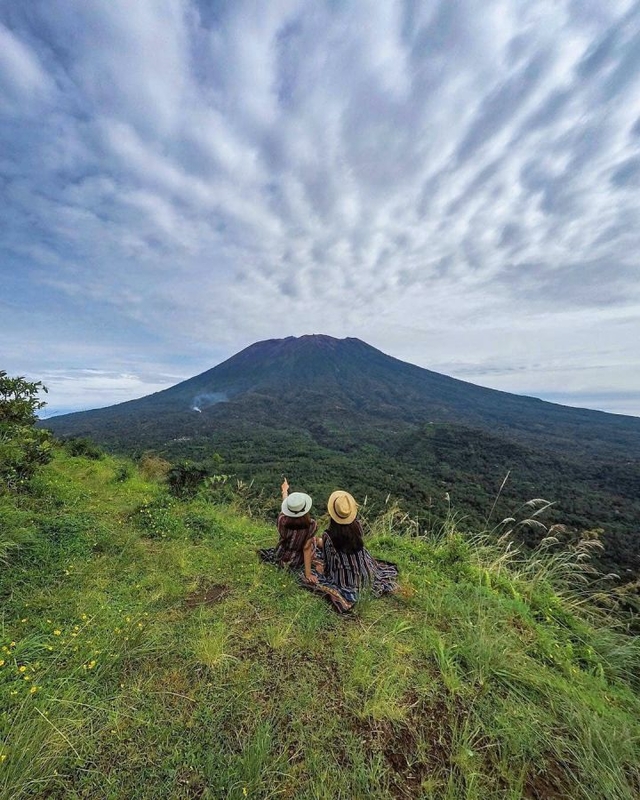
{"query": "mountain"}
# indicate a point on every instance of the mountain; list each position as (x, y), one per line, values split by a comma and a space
(327, 411)
(342, 377)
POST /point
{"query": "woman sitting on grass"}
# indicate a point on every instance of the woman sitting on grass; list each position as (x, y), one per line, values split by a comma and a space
(296, 529)
(348, 565)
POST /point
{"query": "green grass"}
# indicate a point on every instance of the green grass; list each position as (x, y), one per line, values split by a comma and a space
(478, 680)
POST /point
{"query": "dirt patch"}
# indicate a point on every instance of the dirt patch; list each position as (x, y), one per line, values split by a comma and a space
(547, 784)
(417, 749)
(207, 595)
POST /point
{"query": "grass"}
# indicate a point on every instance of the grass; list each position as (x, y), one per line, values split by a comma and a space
(148, 653)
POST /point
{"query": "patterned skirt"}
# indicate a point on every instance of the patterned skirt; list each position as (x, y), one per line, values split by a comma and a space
(343, 576)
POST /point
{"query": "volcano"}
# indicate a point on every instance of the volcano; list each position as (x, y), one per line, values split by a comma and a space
(338, 411)
(314, 379)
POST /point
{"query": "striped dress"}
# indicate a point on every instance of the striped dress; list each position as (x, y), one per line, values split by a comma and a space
(289, 551)
(346, 574)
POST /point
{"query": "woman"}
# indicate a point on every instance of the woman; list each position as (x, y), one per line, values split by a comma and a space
(296, 531)
(348, 565)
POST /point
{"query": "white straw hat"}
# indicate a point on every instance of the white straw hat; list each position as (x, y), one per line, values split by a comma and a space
(297, 504)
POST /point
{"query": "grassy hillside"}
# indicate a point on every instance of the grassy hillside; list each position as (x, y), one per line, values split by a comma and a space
(145, 652)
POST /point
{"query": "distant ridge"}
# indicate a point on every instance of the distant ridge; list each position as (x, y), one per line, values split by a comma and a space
(278, 375)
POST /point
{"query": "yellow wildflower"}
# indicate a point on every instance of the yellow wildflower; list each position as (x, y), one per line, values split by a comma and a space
(26, 677)
(34, 689)
(84, 616)
(13, 644)
(22, 668)
(57, 632)
(3, 757)
(24, 620)
(1, 662)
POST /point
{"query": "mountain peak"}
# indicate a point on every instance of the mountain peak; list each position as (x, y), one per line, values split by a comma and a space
(306, 341)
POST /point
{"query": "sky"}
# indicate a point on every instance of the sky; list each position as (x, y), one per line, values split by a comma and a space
(456, 182)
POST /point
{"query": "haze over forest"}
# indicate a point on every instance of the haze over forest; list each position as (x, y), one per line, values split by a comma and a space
(454, 181)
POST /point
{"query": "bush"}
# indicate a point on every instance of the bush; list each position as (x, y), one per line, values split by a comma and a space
(23, 447)
(185, 479)
(123, 473)
(83, 447)
(154, 467)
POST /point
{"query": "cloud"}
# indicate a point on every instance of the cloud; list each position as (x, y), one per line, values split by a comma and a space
(87, 388)
(21, 74)
(203, 175)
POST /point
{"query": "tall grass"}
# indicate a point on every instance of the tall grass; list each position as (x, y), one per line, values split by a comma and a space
(493, 674)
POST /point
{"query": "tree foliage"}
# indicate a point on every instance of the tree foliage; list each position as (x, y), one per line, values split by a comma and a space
(23, 447)
(185, 478)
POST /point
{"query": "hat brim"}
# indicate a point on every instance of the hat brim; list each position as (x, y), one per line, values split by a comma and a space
(331, 508)
(308, 502)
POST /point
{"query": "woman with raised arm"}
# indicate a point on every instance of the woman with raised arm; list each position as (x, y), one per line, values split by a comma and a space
(348, 566)
(296, 535)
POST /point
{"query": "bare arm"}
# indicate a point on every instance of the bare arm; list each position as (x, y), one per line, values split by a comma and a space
(308, 556)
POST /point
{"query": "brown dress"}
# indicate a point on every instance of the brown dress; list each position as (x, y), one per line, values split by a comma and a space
(289, 551)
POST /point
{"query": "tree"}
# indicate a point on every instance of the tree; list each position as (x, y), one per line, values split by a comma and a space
(22, 446)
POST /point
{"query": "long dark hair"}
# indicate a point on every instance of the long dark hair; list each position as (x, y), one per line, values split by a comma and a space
(346, 538)
(295, 523)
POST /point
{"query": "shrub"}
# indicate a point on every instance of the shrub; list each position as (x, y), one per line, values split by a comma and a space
(23, 447)
(185, 479)
(123, 473)
(78, 446)
(153, 467)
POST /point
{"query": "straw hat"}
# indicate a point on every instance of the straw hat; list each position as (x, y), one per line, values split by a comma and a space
(342, 507)
(297, 504)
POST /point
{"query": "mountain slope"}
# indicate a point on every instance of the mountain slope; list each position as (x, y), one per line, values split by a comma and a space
(328, 411)
(344, 377)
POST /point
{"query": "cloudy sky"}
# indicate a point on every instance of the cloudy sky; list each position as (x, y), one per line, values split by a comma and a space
(456, 182)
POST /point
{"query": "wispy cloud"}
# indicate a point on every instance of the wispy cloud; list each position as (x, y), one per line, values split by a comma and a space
(454, 180)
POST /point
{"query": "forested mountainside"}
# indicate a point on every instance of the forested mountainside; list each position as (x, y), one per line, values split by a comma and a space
(328, 412)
